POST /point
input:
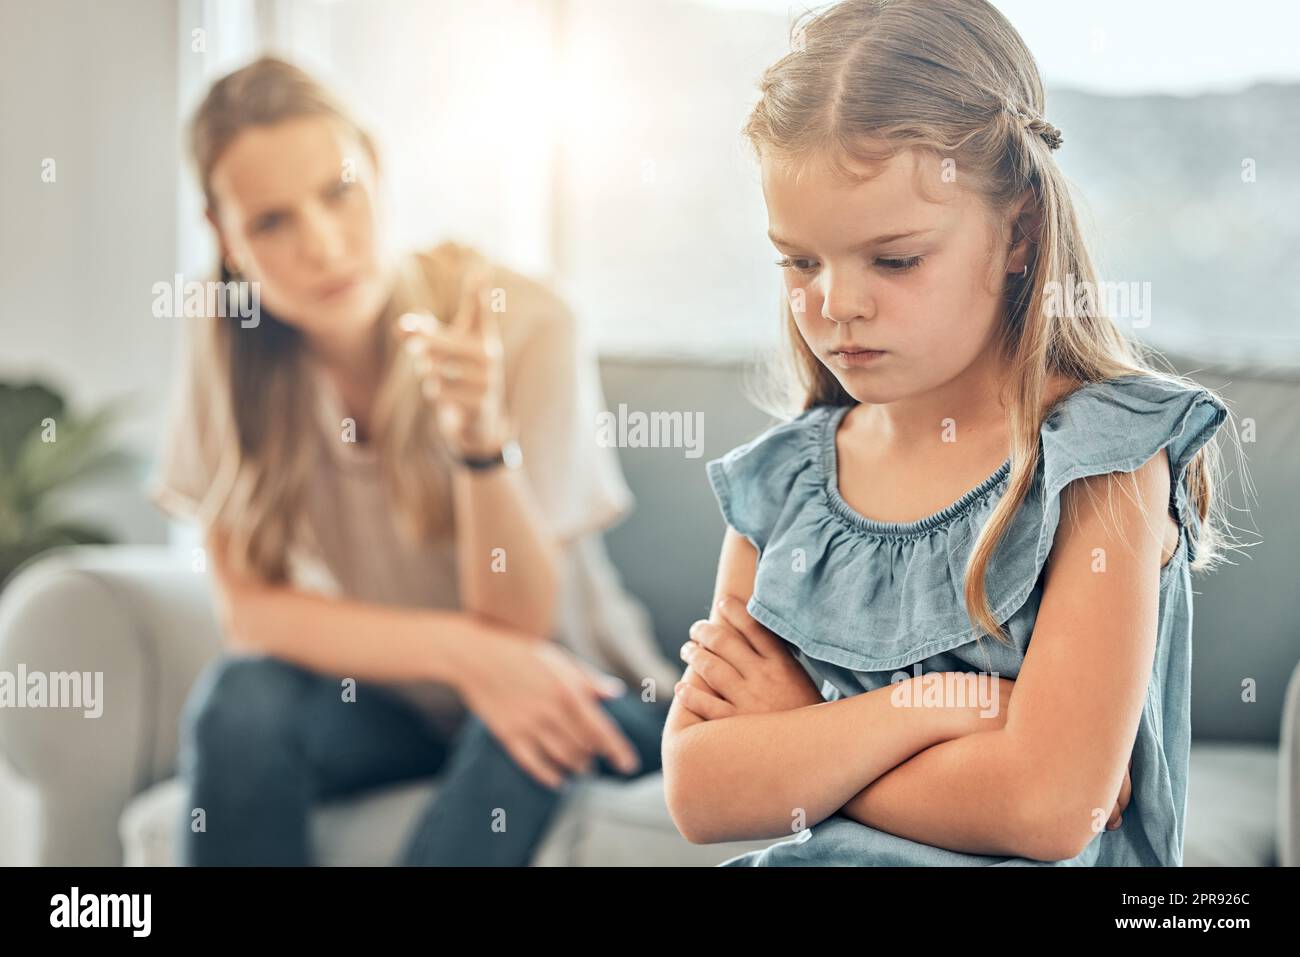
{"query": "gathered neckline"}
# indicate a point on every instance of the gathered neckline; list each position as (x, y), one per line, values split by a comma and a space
(831, 485)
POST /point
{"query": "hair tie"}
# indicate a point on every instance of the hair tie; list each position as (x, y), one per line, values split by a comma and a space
(1037, 125)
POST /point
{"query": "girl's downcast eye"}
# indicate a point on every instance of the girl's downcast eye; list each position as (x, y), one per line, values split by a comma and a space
(896, 265)
(901, 265)
(798, 265)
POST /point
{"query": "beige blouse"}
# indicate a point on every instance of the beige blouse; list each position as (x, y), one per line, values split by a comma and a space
(350, 545)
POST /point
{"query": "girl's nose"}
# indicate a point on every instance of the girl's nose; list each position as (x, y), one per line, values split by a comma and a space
(846, 300)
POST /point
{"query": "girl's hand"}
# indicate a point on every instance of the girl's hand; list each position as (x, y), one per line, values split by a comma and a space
(542, 704)
(462, 370)
(745, 666)
(1125, 793)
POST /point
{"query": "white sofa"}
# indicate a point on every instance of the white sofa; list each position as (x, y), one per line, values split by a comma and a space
(102, 792)
(105, 785)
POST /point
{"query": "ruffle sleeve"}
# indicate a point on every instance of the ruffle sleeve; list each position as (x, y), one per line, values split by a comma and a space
(758, 483)
(1118, 425)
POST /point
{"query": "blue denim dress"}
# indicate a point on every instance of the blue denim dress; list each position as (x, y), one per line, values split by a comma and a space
(857, 600)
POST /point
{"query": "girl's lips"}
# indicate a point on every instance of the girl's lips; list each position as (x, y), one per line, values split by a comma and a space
(857, 358)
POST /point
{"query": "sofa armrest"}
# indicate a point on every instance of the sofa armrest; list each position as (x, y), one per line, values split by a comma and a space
(143, 619)
(1288, 777)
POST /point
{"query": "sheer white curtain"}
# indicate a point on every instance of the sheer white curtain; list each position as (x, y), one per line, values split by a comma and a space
(596, 144)
(456, 99)
(593, 144)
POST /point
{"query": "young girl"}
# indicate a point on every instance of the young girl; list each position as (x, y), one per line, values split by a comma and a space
(845, 688)
(388, 571)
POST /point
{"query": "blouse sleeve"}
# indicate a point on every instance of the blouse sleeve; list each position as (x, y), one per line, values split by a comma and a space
(553, 394)
(755, 483)
(187, 461)
(1118, 424)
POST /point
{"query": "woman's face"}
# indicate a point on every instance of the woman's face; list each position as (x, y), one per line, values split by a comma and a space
(931, 298)
(295, 210)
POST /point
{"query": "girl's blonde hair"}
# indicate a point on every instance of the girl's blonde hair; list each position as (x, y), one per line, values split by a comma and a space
(868, 79)
(263, 400)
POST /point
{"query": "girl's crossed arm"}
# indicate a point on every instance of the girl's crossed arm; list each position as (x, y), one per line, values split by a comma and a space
(1057, 764)
(1040, 785)
(755, 775)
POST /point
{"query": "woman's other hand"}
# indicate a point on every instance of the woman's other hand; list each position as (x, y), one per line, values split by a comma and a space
(543, 705)
(462, 370)
(746, 667)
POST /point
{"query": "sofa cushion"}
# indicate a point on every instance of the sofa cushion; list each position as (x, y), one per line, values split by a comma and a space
(1231, 806)
(604, 822)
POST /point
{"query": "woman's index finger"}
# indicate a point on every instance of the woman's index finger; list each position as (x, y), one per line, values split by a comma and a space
(469, 313)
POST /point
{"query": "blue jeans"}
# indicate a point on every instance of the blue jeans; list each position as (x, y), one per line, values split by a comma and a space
(263, 740)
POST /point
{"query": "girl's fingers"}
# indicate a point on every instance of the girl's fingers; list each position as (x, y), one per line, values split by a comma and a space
(702, 704)
(1113, 821)
(724, 641)
(1125, 794)
(763, 642)
(721, 676)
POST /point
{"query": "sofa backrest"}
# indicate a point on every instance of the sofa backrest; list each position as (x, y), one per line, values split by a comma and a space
(1246, 616)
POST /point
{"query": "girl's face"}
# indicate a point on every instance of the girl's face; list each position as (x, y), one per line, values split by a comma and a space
(295, 210)
(876, 265)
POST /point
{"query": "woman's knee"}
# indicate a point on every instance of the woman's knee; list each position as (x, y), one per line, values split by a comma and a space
(240, 704)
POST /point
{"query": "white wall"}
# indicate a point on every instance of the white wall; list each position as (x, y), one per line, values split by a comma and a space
(92, 86)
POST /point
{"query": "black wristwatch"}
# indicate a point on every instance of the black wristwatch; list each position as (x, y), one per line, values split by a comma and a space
(509, 456)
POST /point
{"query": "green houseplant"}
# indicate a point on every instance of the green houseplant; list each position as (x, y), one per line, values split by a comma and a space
(46, 451)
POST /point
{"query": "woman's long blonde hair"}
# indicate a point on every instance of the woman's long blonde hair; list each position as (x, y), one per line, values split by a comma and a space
(867, 79)
(259, 395)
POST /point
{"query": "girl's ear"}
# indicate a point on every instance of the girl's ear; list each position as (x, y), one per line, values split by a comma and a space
(1025, 222)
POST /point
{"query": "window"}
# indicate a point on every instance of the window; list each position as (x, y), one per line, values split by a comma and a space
(597, 145)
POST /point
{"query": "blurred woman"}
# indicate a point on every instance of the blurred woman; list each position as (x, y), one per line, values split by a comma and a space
(401, 498)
